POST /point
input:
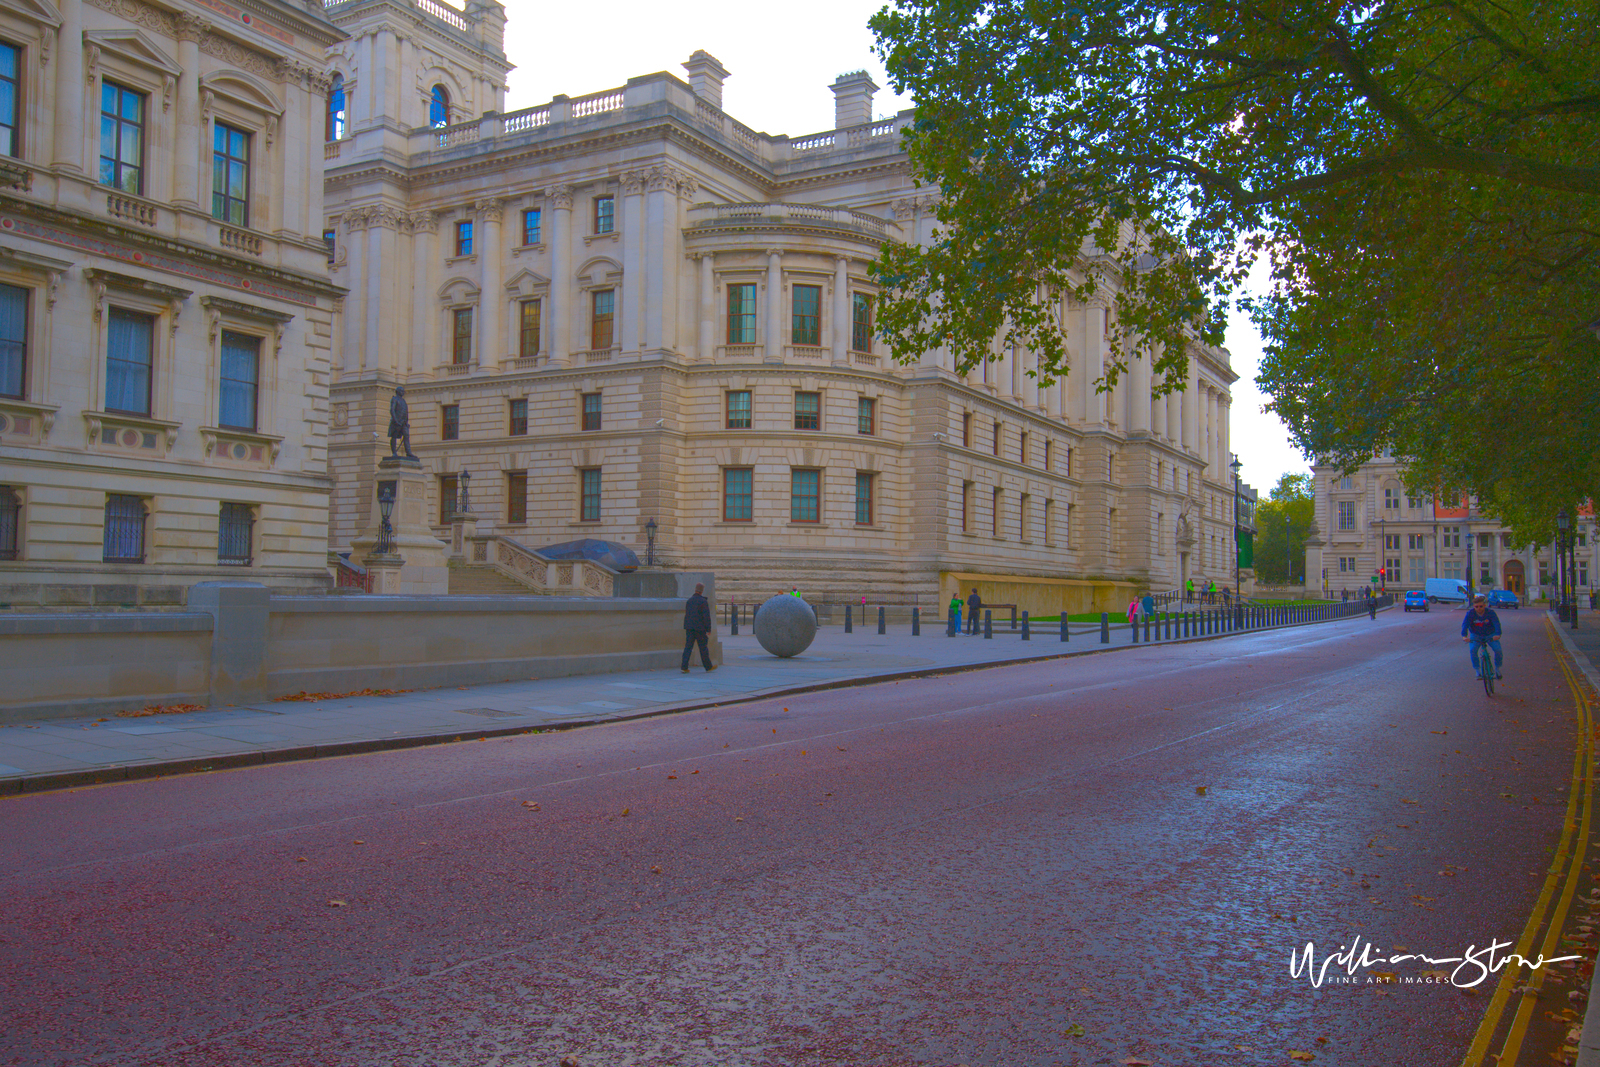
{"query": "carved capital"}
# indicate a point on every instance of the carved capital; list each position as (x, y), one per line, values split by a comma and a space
(424, 222)
(560, 197)
(491, 209)
(190, 27)
(632, 182)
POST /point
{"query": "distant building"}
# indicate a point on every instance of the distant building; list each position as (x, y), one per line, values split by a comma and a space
(1370, 526)
(165, 307)
(630, 306)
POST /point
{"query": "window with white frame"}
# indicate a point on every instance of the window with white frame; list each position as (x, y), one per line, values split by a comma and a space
(10, 100)
(1347, 515)
(230, 174)
(130, 361)
(241, 376)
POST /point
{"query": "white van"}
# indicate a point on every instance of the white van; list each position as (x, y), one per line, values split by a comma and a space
(1446, 590)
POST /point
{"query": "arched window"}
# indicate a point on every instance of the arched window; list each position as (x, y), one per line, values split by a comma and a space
(439, 107)
(335, 131)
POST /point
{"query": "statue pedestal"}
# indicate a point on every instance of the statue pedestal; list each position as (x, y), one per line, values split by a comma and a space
(463, 528)
(421, 570)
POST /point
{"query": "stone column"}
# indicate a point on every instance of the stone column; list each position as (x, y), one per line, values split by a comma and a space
(186, 154)
(1094, 358)
(1139, 404)
(562, 312)
(773, 352)
(1191, 409)
(841, 310)
(425, 290)
(71, 109)
(1226, 456)
(491, 272)
(661, 281)
(633, 270)
(708, 307)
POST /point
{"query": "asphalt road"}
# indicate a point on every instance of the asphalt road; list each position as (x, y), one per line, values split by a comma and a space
(1095, 860)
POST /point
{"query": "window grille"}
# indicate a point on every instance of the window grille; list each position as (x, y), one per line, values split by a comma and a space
(124, 529)
(738, 409)
(805, 495)
(234, 526)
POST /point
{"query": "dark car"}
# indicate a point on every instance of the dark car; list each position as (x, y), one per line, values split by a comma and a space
(1416, 599)
(1503, 598)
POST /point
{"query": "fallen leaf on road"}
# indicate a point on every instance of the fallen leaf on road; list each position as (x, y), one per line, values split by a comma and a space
(655, 870)
(336, 903)
(672, 777)
(530, 805)
(1199, 790)
(626, 810)
(1306, 1057)
(159, 709)
(1441, 732)
(360, 842)
(1075, 1030)
(302, 859)
(841, 748)
(802, 752)
(1131, 1062)
(312, 697)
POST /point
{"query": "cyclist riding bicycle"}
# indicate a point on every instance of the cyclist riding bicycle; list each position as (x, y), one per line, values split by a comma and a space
(1480, 627)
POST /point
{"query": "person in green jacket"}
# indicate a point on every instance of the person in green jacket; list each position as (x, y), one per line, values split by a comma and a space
(1188, 590)
(955, 611)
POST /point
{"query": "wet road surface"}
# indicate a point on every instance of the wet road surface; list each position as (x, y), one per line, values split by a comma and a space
(1087, 861)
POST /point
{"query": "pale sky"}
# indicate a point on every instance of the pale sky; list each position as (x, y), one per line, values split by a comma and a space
(781, 61)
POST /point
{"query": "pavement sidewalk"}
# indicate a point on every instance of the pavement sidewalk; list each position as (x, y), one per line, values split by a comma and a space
(63, 753)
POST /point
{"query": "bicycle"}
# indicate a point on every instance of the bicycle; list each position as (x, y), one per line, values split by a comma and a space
(1484, 656)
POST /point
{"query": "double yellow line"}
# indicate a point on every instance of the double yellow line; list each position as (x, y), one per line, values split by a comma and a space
(1565, 868)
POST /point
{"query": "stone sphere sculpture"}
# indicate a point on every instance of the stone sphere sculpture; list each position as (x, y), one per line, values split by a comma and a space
(785, 625)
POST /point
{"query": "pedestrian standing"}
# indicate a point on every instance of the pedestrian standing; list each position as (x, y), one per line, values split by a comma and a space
(955, 612)
(974, 605)
(697, 627)
(1149, 605)
(1133, 610)
(1188, 591)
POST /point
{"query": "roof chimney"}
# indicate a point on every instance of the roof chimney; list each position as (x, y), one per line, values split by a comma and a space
(852, 99)
(705, 77)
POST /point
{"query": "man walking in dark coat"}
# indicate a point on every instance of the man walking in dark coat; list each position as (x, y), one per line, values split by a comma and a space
(974, 605)
(696, 626)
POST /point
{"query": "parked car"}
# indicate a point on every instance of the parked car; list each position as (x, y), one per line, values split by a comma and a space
(1448, 590)
(1416, 599)
(1503, 598)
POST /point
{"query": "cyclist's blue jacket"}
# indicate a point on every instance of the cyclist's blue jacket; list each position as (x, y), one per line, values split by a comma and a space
(1485, 626)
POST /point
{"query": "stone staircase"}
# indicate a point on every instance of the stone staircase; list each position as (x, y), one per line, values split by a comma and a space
(490, 565)
(467, 579)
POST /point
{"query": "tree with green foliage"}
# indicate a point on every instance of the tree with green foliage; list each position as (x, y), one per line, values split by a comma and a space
(1282, 521)
(1424, 176)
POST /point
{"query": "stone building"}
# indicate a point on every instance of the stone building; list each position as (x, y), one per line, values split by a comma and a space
(165, 308)
(1369, 524)
(628, 306)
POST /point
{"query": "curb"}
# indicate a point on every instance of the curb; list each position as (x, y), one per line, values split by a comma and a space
(128, 772)
(1589, 1040)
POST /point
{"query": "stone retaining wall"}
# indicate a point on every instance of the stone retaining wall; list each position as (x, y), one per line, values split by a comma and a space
(240, 644)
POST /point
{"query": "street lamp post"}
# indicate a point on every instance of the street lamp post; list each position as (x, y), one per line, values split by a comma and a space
(1561, 564)
(650, 536)
(1234, 466)
(466, 498)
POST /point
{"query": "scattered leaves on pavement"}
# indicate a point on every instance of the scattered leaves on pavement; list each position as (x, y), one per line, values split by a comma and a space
(1075, 1030)
(1304, 1057)
(159, 709)
(336, 904)
(304, 696)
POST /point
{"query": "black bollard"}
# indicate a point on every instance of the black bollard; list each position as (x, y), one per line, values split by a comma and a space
(1133, 624)
(916, 622)
(881, 629)
(1147, 629)
(1013, 616)
(952, 625)
(988, 624)
(848, 627)
(1105, 628)
(1024, 625)
(1063, 625)
(734, 611)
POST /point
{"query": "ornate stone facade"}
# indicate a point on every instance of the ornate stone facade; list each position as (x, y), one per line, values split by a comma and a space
(1368, 524)
(135, 300)
(635, 307)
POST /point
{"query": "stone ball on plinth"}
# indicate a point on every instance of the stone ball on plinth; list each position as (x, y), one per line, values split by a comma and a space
(785, 625)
